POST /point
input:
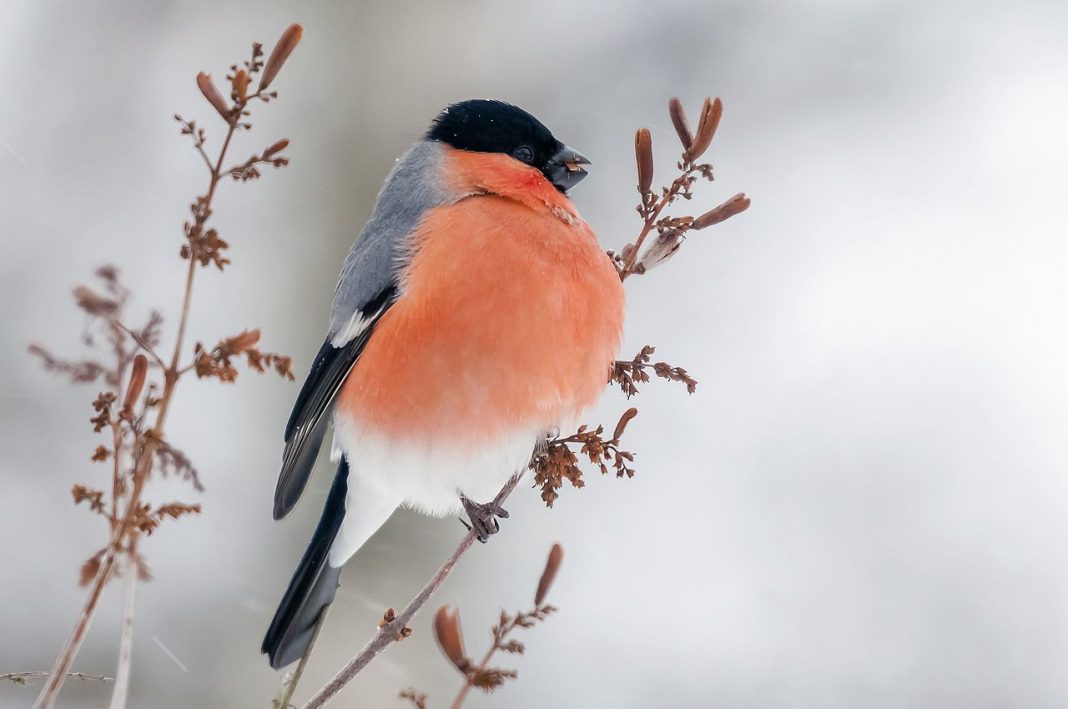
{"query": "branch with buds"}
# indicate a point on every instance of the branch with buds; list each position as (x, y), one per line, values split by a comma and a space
(140, 383)
(556, 460)
(481, 675)
(671, 231)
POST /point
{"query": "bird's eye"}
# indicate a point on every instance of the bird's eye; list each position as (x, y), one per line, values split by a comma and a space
(524, 153)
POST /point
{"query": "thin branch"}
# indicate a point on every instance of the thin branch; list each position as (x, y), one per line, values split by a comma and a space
(117, 444)
(489, 679)
(289, 684)
(129, 607)
(468, 683)
(141, 342)
(391, 631)
(24, 677)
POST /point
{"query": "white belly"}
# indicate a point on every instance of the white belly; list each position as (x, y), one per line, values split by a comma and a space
(429, 477)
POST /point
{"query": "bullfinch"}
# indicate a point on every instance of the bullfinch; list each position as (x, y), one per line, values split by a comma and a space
(475, 314)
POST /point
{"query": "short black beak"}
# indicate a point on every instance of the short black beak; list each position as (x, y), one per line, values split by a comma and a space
(563, 168)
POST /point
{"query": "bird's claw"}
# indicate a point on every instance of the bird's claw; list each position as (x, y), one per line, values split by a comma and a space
(483, 517)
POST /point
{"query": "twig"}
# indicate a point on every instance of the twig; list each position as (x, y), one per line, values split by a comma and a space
(389, 633)
(136, 337)
(501, 631)
(289, 685)
(129, 607)
(24, 677)
(451, 640)
(481, 667)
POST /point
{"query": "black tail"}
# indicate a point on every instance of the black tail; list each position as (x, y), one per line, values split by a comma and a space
(313, 585)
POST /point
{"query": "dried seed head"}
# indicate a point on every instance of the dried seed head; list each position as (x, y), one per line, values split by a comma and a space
(137, 383)
(240, 84)
(552, 565)
(623, 421)
(211, 93)
(735, 205)
(711, 112)
(247, 339)
(643, 151)
(93, 303)
(682, 126)
(451, 640)
(286, 44)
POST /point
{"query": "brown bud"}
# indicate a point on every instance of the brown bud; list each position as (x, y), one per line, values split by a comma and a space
(643, 150)
(552, 565)
(137, 383)
(682, 126)
(711, 112)
(623, 421)
(451, 640)
(735, 205)
(388, 617)
(276, 147)
(286, 44)
(207, 87)
(240, 84)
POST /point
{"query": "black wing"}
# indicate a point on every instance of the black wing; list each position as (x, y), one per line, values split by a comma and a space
(307, 424)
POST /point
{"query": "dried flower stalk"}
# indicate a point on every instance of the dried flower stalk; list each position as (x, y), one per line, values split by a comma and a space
(481, 675)
(145, 382)
(672, 231)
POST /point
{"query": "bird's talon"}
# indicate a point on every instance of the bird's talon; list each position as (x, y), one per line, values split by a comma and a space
(483, 518)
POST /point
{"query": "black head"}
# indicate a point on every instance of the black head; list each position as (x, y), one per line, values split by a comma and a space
(496, 127)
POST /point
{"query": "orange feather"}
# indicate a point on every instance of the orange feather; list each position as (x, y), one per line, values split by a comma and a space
(510, 317)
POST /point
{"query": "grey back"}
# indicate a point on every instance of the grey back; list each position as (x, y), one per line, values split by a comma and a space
(383, 246)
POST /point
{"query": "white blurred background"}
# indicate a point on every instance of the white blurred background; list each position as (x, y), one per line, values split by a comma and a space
(864, 503)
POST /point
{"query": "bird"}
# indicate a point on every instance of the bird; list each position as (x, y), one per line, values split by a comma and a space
(476, 314)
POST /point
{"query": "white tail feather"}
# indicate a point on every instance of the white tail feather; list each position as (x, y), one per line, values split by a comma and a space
(367, 507)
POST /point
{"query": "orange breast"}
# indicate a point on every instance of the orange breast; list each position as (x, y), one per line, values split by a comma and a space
(509, 319)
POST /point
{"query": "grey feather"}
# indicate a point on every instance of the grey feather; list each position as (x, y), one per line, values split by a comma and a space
(384, 245)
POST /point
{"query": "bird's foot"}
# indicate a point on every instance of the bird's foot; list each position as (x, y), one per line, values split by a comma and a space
(483, 517)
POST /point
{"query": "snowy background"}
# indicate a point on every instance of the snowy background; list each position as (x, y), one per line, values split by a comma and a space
(863, 505)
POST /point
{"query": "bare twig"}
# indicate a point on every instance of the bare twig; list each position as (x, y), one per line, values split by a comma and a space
(450, 637)
(290, 681)
(129, 607)
(25, 677)
(141, 342)
(481, 675)
(388, 633)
